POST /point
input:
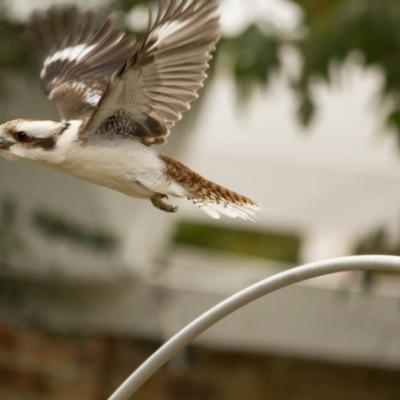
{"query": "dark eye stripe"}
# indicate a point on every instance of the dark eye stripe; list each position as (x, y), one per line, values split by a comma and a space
(44, 143)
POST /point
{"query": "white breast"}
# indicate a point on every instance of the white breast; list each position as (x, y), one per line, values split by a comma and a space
(123, 164)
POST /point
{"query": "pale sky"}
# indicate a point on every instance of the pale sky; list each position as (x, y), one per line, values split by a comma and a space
(236, 15)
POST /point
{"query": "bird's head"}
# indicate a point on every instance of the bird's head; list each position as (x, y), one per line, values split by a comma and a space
(31, 140)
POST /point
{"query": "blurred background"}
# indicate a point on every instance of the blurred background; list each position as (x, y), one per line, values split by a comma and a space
(301, 112)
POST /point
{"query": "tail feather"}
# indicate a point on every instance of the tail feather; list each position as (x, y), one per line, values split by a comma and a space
(213, 199)
(215, 209)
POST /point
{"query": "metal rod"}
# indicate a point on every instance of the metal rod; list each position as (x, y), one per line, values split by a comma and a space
(244, 297)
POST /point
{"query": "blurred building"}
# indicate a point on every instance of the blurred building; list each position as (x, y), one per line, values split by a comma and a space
(79, 258)
(328, 187)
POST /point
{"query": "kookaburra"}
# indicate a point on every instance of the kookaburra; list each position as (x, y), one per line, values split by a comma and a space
(117, 97)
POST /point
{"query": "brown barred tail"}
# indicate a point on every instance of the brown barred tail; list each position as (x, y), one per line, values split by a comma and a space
(210, 197)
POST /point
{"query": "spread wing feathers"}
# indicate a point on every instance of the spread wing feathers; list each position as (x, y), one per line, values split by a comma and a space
(77, 60)
(154, 87)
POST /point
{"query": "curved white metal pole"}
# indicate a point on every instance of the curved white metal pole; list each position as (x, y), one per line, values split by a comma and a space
(246, 296)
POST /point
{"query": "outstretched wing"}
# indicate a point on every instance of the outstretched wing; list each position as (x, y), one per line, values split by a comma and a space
(150, 92)
(77, 60)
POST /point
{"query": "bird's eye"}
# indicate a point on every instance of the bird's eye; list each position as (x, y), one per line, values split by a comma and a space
(21, 136)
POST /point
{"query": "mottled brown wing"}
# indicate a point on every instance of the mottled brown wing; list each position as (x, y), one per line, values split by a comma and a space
(77, 60)
(152, 90)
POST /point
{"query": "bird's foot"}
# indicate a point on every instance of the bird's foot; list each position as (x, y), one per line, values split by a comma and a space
(157, 201)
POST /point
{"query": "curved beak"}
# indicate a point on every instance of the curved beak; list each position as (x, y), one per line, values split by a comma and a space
(5, 144)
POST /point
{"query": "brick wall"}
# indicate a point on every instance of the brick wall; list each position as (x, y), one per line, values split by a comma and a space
(38, 365)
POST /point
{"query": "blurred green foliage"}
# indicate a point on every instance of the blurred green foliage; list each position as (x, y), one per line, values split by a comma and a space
(378, 242)
(253, 58)
(337, 28)
(12, 51)
(65, 229)
(127, 5)
(54, 227)
(10, 239)
(381, 242)
(268, 245)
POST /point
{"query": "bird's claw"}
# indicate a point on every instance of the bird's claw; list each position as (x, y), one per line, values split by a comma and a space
(157, 201)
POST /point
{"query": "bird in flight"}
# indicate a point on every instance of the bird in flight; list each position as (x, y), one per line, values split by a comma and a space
(117, 97)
